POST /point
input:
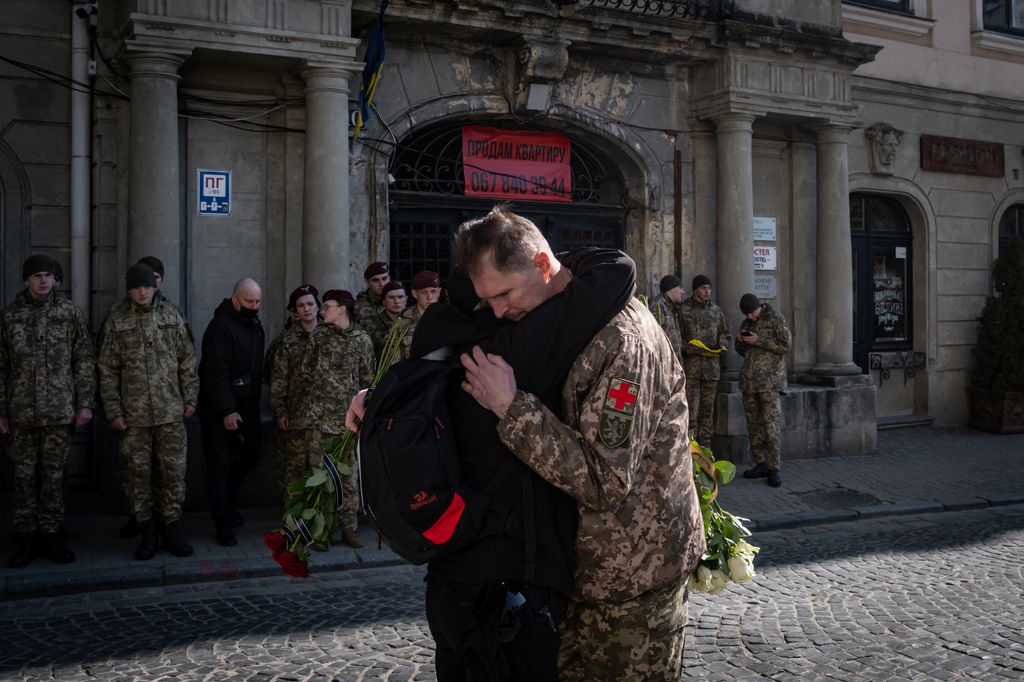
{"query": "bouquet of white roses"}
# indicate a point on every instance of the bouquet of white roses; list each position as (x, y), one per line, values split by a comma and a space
(728, 557)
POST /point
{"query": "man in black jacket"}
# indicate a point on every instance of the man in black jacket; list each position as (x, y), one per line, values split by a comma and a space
(526, 548)
(230, 381)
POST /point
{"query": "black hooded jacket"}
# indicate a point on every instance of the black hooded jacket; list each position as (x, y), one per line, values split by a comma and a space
(541, 348)
(231, 369)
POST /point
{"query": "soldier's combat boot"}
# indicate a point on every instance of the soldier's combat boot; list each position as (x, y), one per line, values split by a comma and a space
(773, 478)
(130, 529)
(350, 538)
(52, 545)
(149, 543)
(758, 471)
(173, 542)
(24, 550)
(226, 536)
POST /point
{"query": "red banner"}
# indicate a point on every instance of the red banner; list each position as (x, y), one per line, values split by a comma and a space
(516, 164)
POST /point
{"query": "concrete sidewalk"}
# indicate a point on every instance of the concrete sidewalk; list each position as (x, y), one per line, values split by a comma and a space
(915, 471)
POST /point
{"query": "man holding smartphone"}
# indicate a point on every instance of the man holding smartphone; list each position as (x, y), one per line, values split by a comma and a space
(763, 342)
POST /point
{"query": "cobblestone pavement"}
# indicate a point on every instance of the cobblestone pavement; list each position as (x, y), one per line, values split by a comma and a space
(929, 597)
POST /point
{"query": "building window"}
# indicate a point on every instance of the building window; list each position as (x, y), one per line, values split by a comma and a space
(1011, 225)
(1005, 16)
(893, 5)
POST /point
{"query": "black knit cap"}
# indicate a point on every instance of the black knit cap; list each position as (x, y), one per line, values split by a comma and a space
(699, 281)
(749, 303)
(299, 292)
(669, 282)
(139, 275)
(154, 263)
(40, 263)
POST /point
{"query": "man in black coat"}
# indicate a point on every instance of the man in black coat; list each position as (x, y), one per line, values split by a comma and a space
(526, 548)
(230, 381)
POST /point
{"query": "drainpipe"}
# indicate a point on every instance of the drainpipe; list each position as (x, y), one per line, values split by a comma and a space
(81, 106)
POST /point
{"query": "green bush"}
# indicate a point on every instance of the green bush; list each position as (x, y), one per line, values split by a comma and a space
(999, 355)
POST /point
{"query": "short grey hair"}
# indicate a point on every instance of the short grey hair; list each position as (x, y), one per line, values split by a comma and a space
(510, 239)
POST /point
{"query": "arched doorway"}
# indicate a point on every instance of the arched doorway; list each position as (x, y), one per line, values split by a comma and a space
(428, 202)
(882, 277)
(1011, 225)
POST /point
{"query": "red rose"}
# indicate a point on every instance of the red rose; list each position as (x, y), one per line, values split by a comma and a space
(275, 541)
(291, 564)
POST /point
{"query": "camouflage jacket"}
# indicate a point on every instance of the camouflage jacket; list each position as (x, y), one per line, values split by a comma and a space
(147, 364)
(292, 382)
(158, 299)
(341, 362)
(764, 365)
(378, 326)
(47, 363)
(667, 314)
(366, 306)
(406, 325)
(621, 452)
(706, 323)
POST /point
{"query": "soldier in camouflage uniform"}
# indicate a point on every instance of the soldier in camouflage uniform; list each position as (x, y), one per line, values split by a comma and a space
(703, 321)
(47, 388)
(291, 388)
(665, 307)
(148, 386)
(619, 448)
(368, 302)
(763, 342)
(426, 290)
(378, 326)
(341, 360)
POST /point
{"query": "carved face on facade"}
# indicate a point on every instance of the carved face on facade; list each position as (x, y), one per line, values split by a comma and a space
(883, 141)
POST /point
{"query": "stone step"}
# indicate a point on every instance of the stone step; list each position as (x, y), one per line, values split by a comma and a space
(904, 421)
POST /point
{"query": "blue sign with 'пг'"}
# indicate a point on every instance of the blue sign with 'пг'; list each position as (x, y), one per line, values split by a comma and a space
(214, 192)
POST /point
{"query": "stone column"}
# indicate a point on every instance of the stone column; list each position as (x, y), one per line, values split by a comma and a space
(154, 205)
(325, 196)
(734, 263)
(834, 304)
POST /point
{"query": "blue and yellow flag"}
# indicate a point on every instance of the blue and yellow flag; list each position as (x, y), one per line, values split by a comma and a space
(375, 50)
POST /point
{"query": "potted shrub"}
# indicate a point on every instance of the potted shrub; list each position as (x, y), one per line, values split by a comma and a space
(997, 383)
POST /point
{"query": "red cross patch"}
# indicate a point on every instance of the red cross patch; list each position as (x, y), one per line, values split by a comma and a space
(620, 403)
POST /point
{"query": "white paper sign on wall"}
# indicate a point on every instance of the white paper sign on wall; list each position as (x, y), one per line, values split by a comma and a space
(765, 258)
(764, 229)
(213, 191)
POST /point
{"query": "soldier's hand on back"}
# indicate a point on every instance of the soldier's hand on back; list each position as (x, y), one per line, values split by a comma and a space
(232, 421)
(119, 423)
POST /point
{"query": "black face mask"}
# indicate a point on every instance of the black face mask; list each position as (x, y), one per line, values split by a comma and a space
(248, 313)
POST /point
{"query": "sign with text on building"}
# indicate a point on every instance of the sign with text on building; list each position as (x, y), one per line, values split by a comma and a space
(966, 157)
(765, 258)
(766, 285)
(213, 191)
(764, 229)
(516, 164)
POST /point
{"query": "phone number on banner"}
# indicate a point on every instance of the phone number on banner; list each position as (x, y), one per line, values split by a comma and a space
(518, 185)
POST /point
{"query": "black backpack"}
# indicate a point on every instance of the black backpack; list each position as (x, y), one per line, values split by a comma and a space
(409, 467)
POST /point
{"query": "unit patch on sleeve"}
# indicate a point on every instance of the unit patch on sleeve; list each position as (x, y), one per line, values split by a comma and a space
(620, 404)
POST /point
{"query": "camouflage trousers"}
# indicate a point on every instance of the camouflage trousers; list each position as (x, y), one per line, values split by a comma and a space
(39, 456)
(700, 399)
(640, 639)
(303, 449)
(764, 419)
(153, 480)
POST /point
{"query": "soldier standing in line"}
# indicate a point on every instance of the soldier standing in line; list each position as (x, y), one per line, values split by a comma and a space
(378, 326)
(148, 386)
(426, 290)
(341, 361)
(665, 307)
(47, 389)
(704, 322)
(368, 302)
(291, 388)
(230, 383)
(763, 342)
(619, 448)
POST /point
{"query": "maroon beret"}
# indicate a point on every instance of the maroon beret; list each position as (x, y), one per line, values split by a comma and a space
(339, 296)
(304, 290)
(393, 285)
(426, 278)
(374, 269)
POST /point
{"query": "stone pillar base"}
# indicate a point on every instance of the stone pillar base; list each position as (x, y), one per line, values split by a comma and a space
(834, 369)
(835, 417)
